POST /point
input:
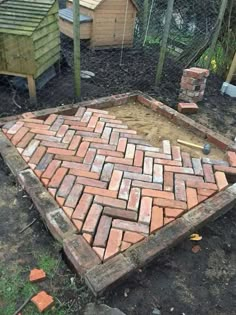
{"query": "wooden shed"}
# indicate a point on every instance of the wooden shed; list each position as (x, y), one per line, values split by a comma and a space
(106, 23)
(29, 38)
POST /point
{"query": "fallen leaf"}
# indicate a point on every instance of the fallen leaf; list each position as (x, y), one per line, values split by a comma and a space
(196, 249)
(195, 237)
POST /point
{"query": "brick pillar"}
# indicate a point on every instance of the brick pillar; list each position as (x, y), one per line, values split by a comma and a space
(193, 84)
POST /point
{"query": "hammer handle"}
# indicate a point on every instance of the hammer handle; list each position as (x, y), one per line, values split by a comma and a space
(189, 144)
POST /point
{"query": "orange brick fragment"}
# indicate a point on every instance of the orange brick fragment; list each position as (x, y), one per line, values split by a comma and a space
(37, 275)
(43, 301)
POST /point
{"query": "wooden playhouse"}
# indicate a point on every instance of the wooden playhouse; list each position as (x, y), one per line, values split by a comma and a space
(106, 23)
(29, 38)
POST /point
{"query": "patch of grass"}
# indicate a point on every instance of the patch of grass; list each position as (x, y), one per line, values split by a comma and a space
(47, 263)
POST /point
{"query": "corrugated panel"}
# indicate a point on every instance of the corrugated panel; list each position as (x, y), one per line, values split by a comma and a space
(22, 17)
(67, 14)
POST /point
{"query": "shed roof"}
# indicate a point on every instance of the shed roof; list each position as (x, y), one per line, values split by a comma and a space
(22, 17)
(67, 14)
(93, 4)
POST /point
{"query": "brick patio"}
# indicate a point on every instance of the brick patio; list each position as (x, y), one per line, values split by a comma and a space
(114, 186)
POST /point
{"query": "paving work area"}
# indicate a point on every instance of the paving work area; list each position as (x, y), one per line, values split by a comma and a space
(114, 186)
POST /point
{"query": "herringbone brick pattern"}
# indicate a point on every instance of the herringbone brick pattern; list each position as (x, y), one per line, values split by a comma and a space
(114, 186)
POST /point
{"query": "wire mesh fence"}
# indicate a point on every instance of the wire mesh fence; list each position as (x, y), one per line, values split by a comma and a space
(120, 48)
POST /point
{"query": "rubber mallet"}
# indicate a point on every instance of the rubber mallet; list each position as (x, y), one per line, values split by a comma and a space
(206, 148)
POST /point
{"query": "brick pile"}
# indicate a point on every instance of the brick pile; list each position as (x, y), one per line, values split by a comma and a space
(193, 84)
(114, 186)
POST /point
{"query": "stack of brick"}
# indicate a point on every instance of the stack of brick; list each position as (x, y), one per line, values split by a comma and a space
(193, 84)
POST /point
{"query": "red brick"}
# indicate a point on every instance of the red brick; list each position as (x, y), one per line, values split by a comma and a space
(74, 143)
(38, 154)
(140, 184)
(206, 192)
(176, 154)
(15, 128)
(81, 173)
(134, 198)
(120, 213)
(197, 73)
(141, 177)
(78, 224)
(54, 144)
(130, 150)
(19, 135)
(68, 211)
(93, 122)
(50, 120)
(167, 162)
(106, 134)
(168, 181)
(99, 251)
(90, 182)
(132, 237)
(192, 200)
(128, 168)
(83, 207)
(86, 117)
(157, 219)
(80, 112)
(100, 192)
(148, 166)
(201, 198)
(58, 177)
(189, 177)
(32, 120)
(124, 189)
(69, 158)
(115, 180)
(60, 151)
(98, 163)
(186, 160)
(127, 131)
(35, 126)
(114, 138)
(88, 237)
(107, 201)
(166, 147)
(45, 181)
(43, 132)
(43, 301)
(47, 138)
(208, 173)
(157, 194)
(31, 148)
(116, 125)
(158, 173)
(103, 146)
(60, 201)
(130, 226)
(37, 275)
(83, 149)
(218, 140)
(221, 180)
(180, 191)
(231, 157)
(170, 203)
(197, 166)
(74, 196)
(89, 157)
(180, 170)
(119, 160)
(92, 219)
(187, 108)
(162, 158)
(110, 153)
(145, 210)
(148, 149)
(138, 158)
(225, 169)
(75, 165)
(51, 169)
(124, 246)
(99, 127)
(168, 220)
(95, 140)
(173, 212)
(103, 230)
(107, 172)
(201, 185)
(113, 244)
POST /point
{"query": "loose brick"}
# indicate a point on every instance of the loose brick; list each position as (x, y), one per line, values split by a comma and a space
(60, 151)
(192, 200)
(115, 180)
(231, 157)
(103, 230)
(90, 182)
(100, 192)
(43, 301)
(132, 237)
(51, 169)
(58, 177)
(83, 207)
(134, 198)
(140, 184)
(120, 213)
(168, 181)
(37, 275)
(83, 149)
(113, 245)
(74, 196)
(158, 174)
(221, 180)
(92, 219)
(145, 210)
(170, 203)
(107, 201)
(157, 194)
(89, 157)
(180, 190)
(173, 212)
(157, 220)
(166, 147)
(197, 166)
(148, 166)
(208, 173)
(81, 173)
(187, 108)
(107, 172)
(130, 226)
(186, 160)
(138, 158)
(124, 189)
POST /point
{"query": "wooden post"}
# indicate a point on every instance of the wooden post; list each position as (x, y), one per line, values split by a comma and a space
(32, 89)
(145, 17)
(232, 70)
(217, 32)
(76, 35)
(168, 17)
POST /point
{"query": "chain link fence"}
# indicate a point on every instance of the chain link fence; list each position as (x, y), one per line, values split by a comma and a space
(125, 54)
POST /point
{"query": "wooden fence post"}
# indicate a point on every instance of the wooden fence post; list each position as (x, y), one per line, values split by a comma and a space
(162, 56)
(76, 36)
(217, 31)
